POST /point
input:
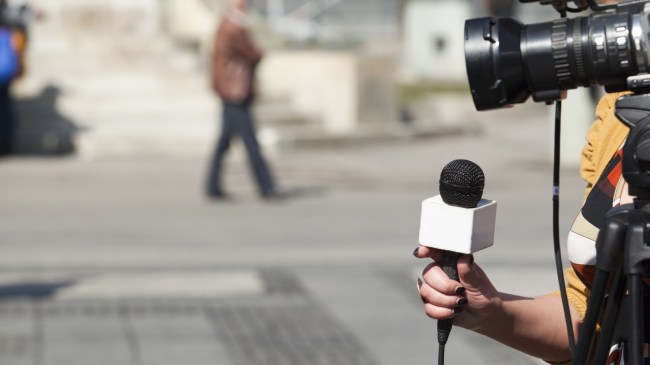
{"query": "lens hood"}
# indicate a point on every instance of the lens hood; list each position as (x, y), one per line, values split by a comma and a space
(493, 59)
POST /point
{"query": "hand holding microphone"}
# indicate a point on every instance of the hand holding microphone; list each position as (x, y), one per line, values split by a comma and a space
(454, 223)
(531, 325)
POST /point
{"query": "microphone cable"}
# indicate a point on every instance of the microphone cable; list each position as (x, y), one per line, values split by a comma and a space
(556, 225)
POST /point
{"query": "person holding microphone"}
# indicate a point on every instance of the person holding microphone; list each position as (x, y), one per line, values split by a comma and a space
(536, 325)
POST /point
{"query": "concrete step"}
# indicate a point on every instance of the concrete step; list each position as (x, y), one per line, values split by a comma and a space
(280, 113)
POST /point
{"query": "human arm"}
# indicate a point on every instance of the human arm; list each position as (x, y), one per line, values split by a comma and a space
(535, 326)
(244, 47)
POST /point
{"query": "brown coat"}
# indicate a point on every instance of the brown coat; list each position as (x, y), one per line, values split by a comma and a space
(233, 62)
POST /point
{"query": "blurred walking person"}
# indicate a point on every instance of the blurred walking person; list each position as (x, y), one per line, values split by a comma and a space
(234, 60)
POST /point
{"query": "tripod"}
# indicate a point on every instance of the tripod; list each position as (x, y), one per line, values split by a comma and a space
(622, 251)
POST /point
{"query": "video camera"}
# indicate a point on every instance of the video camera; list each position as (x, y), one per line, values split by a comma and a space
(508, 61)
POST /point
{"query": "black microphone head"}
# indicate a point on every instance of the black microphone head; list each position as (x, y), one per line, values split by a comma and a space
(462, 183)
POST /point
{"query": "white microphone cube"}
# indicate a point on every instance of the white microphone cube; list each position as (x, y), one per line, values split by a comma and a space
(456, 229)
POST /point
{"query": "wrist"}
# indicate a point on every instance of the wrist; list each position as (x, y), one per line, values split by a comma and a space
(490, 314)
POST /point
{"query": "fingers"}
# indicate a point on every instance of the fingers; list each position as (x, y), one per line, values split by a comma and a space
(465, 263)
(422, 252)
(435, 278)
(436, 312)
(442, 297)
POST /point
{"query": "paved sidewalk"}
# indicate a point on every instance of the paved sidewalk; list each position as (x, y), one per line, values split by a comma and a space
(123, 261)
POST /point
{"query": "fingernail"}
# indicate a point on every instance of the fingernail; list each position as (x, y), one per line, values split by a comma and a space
(460, 290)
(458, 310)
(419, 282)
(415, 252)
(461, 301)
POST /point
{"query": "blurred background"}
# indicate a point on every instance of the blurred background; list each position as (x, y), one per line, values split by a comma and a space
(111, 254)
(129, 77)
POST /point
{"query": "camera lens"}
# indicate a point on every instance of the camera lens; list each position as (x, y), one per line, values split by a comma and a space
(507, 61)
(494, 65)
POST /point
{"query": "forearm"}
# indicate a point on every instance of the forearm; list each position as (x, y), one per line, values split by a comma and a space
(535, 326)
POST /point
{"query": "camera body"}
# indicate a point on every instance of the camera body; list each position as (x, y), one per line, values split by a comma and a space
(508, 61)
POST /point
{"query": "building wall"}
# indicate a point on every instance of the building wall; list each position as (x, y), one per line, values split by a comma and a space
(433, 42)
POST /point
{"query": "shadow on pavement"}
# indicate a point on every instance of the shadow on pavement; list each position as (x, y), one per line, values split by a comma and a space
(33, 290)
(40, 128)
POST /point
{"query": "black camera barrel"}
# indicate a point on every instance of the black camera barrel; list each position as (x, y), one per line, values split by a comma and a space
(507, 61)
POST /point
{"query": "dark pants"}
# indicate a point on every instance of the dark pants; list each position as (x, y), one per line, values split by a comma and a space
(237, 119)
(7, 122)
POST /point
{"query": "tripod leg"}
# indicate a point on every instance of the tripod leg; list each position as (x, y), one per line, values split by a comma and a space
(637, 253)
(594, 305)
(611, 318)
(635, 350)
(609, 244)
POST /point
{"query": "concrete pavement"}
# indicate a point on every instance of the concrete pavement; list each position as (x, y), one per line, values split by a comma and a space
(124, 261)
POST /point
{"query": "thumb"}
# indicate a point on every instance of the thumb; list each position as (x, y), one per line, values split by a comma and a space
(470, 275)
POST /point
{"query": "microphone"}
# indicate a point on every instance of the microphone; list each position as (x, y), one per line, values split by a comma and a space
(458, 221)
